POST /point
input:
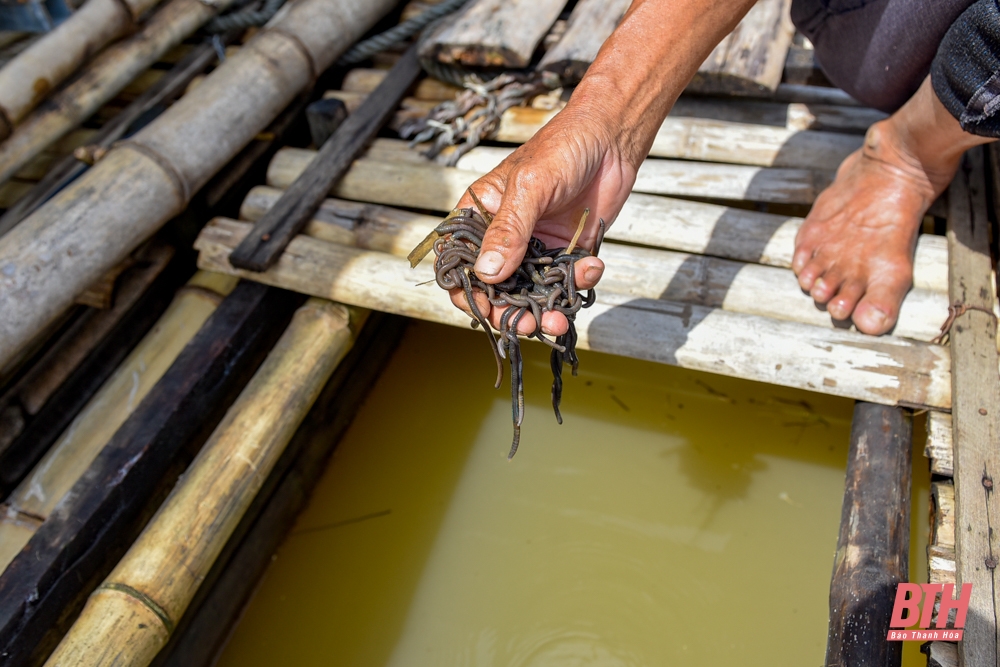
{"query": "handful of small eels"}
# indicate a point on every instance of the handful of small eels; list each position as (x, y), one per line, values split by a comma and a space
(544, 282)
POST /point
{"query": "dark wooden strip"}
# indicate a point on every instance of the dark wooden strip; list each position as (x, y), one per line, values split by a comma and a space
(203, 630)
(146, 292)
(273, 232)
(47, 583)
(874, 543)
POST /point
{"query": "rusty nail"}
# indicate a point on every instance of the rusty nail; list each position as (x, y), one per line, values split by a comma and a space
(265, 237)
(988, 482)
(982, 411)
(991, 562)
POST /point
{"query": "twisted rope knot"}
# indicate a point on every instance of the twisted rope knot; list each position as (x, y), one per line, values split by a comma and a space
(955, 311)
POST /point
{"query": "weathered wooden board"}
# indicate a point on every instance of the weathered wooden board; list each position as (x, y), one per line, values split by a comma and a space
(750, 60)
(590, 23)
(651, 220)
(632, 272)
(939, 447)
(886, 370)
(493, 33)
(976, 411)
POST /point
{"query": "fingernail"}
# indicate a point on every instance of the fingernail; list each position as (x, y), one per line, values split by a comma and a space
(489, 263)
(593, 273)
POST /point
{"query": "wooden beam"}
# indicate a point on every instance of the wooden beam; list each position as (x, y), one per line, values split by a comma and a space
(304, 195)
(976, 410)
(631, 271)
(886, 369)
(874, 543)
(750, 60)
(590, 24)
(40, 591)
(394, 179)
(493, 33)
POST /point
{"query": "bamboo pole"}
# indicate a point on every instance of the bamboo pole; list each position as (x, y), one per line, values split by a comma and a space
(129, 618)
(632, 272)
(110, 72)
(398, 177)
(885, 369)
(33, 501)
(95, 222)
(29, 77)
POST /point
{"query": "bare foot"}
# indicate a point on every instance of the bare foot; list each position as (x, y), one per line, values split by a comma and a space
(855, 250)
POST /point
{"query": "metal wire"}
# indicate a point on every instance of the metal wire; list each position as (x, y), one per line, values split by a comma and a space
(405, 30)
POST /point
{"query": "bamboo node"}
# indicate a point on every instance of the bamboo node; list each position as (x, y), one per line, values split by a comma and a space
(153, 606)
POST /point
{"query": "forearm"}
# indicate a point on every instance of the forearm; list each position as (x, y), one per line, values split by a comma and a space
(646, 63)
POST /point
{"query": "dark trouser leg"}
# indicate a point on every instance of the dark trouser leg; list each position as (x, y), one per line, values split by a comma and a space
(879, 51)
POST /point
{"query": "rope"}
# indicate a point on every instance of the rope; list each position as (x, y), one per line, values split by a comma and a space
(405, 30)
(248, 17)
(955, 311)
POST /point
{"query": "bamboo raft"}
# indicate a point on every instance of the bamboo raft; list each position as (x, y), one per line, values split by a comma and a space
(116, 364)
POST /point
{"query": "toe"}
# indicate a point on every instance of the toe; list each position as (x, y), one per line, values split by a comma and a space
(826, 285)
(843, 303)
(810, 272)
(878, 309)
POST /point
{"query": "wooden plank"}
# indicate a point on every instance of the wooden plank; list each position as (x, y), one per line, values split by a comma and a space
(941, 654)
(801, 67)
(287, 218)
(886, 369)
(939, 448)
(41, 589)
(206, 625)
(631, 272)
(976, 410)
(590, 23)
(687, 226)
(874, 543)
(750, 60)
(493, 33)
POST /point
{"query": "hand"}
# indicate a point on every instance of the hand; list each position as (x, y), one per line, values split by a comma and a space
(541, 190)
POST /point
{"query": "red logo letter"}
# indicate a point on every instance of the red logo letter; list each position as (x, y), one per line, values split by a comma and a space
(961, 605)
(904, 603)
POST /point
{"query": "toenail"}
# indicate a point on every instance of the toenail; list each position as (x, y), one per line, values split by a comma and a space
(879, 318)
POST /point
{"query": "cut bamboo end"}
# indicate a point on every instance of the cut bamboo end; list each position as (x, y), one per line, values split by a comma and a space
(62, 466)
(165, 566)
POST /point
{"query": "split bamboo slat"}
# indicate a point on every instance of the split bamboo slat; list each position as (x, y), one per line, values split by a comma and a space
(29, 77)
(92, 224)
(750, 59)
(103, 79)
(493, 33)
(976, 410)
(886, 370)
(632, 272)
(744, 141)
(33, 501)
(675, 224)
(130, 617)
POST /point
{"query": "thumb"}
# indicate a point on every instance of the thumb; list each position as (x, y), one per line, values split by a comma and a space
(506, 240)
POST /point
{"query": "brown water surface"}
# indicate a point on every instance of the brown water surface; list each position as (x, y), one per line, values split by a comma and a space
(676, 517)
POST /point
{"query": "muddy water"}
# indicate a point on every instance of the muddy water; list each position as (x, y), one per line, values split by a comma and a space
(675, 518)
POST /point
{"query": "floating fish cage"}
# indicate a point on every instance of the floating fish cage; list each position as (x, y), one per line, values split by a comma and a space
(238, 427)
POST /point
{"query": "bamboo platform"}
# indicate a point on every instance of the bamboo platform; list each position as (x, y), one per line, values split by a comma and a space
(115, 364)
